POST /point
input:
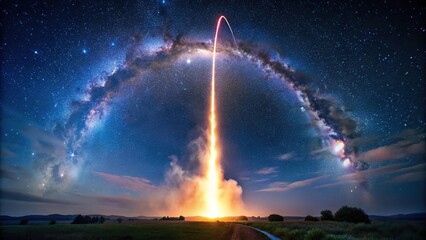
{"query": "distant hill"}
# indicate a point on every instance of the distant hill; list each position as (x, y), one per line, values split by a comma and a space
(57, 217)
(412, 217)
(70, 217)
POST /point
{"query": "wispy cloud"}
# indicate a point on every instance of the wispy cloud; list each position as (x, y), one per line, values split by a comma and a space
(25, 197)
(267, 170)
(394, 151)
(285, 186)
(6, 153)
(7, 174)
(132, 183)
(286, 156)
(261, 180)
(407, 143)
(116, 200)
(408, 177)
(406, 173)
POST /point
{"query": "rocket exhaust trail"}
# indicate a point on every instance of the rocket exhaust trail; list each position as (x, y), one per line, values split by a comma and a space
(214, 173)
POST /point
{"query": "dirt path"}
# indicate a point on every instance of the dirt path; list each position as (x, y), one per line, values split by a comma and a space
(241, 232)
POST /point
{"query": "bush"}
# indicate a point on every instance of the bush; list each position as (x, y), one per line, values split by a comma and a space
(309, 218)
(275, 218)
(280, 232)
(352, 215)
(52, 222)
(242, 218)
(23, 222)
(362, 229)
(119, 220)
(296, 234)
(87, 219)
(315, 234)
(78, 219)
(340, 237)
(327, 215)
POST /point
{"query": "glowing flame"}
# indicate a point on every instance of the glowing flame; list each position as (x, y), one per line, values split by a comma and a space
(214, 172)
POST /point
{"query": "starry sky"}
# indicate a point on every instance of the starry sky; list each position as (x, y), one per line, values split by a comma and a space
(105, 104)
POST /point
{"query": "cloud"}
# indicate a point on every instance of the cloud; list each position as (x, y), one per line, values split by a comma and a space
(409, 142)
(261, 180)
(334, 184)
(6, 153)
(371, 173)
(285, 186)
(131, 183)
(119, 201)
(24, 197)
(408, 173)
(286, 156)
(267, 170)
(7, 174)
(394, 151)
(244, 178)
(408, 177)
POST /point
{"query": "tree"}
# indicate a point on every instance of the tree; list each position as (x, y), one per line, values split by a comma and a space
(94, 220)
(87, 220)
(78, 219)
(181, 218)
(23, 222)
(119, 220)
(327, 215)
(275, 218)
(242, 218)
(52, 222)
(309, 218)
(352, 215)
(101, 219)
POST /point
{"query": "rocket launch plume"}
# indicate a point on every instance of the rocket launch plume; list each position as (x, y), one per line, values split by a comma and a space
(214, 174)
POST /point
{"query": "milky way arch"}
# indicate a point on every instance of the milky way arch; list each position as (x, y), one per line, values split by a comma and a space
(327, 115)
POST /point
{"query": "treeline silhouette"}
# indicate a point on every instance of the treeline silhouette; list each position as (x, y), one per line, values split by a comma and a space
(180, 218)
(344, 214)
(80, 219)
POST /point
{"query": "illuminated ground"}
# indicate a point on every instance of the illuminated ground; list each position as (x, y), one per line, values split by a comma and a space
(134, 230)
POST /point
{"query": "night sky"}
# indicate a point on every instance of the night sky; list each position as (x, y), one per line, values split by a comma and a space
(105, 105)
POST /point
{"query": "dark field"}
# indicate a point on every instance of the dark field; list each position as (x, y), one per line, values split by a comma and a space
(335, 230)
(133, 230)
(144, 229)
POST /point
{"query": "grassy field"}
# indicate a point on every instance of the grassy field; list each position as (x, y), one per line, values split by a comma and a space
(134, 230)
(297, 230)
(379, 230)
